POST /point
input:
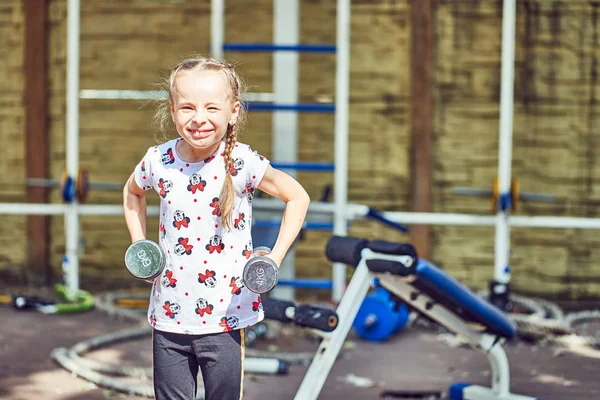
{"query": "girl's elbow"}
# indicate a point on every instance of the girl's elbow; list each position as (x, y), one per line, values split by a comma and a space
(305, 197)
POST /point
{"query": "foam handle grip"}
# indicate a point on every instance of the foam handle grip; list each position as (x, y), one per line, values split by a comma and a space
(316, 317)
(345, 249)
(275, 309)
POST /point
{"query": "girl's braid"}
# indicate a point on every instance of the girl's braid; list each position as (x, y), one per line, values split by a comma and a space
(230, 140)
(227, 192)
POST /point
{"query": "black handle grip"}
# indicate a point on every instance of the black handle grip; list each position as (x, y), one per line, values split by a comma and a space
(345, 249)
(275, 309)
(315, 317)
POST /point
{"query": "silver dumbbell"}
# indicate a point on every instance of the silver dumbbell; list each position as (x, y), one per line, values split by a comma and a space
(145, 260)
(260, 272)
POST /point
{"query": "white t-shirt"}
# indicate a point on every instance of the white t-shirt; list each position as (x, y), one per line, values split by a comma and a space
(201, 289)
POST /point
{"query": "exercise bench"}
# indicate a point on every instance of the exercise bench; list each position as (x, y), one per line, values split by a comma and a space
(426, 289)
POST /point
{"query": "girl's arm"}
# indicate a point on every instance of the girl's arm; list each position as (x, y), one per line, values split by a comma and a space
(134, 204)
(284, 187)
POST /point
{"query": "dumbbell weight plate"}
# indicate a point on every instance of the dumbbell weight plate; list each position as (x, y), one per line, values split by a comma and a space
(145, 260)
(82, 185)
(67, 188)
(261, 273)
(377, 319)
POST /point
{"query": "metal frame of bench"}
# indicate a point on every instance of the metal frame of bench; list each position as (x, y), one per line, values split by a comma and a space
(349, 305)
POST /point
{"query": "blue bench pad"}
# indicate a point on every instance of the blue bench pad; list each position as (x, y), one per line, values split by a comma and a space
(461, 300)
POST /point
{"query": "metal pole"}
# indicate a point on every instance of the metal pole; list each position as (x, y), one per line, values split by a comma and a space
(71, 257)
(217, 28)
(499, 287)
(285, 123)
(342, 90)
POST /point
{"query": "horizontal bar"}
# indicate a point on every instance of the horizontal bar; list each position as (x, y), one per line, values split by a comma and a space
(481, 220)
(259, 205)
(108, 94)
(42, 182)
(323, 226)
(263, 47)
(354, 211)
(306, 107)
(304, 166)
(488, 193)
(541, 197)
(306, 283)
(53, 183)
(33, 209)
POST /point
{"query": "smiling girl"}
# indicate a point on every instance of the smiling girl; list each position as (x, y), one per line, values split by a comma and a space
(206, 180)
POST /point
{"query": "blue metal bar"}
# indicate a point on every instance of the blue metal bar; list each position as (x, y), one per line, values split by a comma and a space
(306, 283)
(308, 107)
(263, 47)
(322, 226)
(376, 215)
(304, 166)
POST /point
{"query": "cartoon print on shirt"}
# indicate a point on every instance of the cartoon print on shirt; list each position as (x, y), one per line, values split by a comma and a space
(146, 185)
(215, 243)
(247, 252)
(240, 223)
(215, 205)
(236, 166)
(153, 318)
(236, 285)
(179, 219)
(229, 323)
(168, 157)
(196, 183)
(182, 247)
(203, 307)
(257, 305)
(261, 158)
(171, 309)
(183, 221)
(168, 280)
(208, 278)
(249, 192)
(165, 187)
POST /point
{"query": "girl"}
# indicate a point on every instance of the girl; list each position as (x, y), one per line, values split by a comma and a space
(206, 181)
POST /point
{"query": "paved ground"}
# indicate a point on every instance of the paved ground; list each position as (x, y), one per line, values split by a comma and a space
(413, 360)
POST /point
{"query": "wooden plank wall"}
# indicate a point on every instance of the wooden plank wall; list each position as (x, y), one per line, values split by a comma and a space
(128, 44)
(13, 229)
(38, 269)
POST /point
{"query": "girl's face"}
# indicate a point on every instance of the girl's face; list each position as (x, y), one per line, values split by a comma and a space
(201, 110)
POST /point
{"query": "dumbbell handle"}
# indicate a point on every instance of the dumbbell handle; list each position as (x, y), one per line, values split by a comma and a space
(302, 315)
(320, 318)
(526, 196)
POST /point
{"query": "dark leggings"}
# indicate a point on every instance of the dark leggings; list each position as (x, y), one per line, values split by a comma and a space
(177, 357)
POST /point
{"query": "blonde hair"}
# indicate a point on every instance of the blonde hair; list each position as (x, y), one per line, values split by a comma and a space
(236, 89)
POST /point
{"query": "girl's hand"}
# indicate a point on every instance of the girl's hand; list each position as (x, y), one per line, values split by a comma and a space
(277, 258)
